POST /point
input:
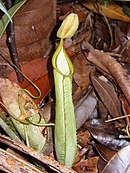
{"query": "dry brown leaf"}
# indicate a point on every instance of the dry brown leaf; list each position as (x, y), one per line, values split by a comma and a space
(87, 166)
(115, 69)
(40, 76)
(126, 106)
(82, 71)
(107, 134)
(102, 111)
(84, 138)
(119, 163)
(80, 12)
(104, 152)
(108, 96)
(112, 10)
(84, 110)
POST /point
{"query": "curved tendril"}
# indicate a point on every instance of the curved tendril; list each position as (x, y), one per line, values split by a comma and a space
(28, 121)
(35, 86)
(13, 116)
(39, 124)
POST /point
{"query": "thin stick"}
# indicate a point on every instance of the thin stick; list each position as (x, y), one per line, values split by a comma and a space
(46, 160)
(117, 118)
(107, 23)
(11, 43)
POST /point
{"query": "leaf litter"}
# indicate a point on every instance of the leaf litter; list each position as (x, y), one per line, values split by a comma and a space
(101, 91)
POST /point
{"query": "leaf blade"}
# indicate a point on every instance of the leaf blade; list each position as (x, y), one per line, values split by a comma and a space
(108, 96)
(2, 7)
(120, 162)
(5, 20)
(112, 10)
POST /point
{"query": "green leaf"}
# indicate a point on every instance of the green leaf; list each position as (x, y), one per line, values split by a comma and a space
(127, 12)
(6, 125)
(3, 8)
(17, 1)
(5, 19)
(105, 2)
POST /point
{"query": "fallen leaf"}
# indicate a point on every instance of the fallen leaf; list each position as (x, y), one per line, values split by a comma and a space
(112, 10)
(111, 66)
(87, 166)
(108, 96)
(100, 165)
(101, 42)
(104, 152)
(125, 105)
(120, 162)
(41, 76)
(84, 110)
(80, 12)
(106, 134)
(83, 138)
(102, 110)
(82, 71)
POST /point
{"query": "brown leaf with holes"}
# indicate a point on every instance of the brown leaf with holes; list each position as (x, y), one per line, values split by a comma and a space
(21, 106)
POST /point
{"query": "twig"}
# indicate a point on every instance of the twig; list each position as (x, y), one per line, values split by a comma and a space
(17, 164)
(117, 118)
(46, 160)
(11, 43)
